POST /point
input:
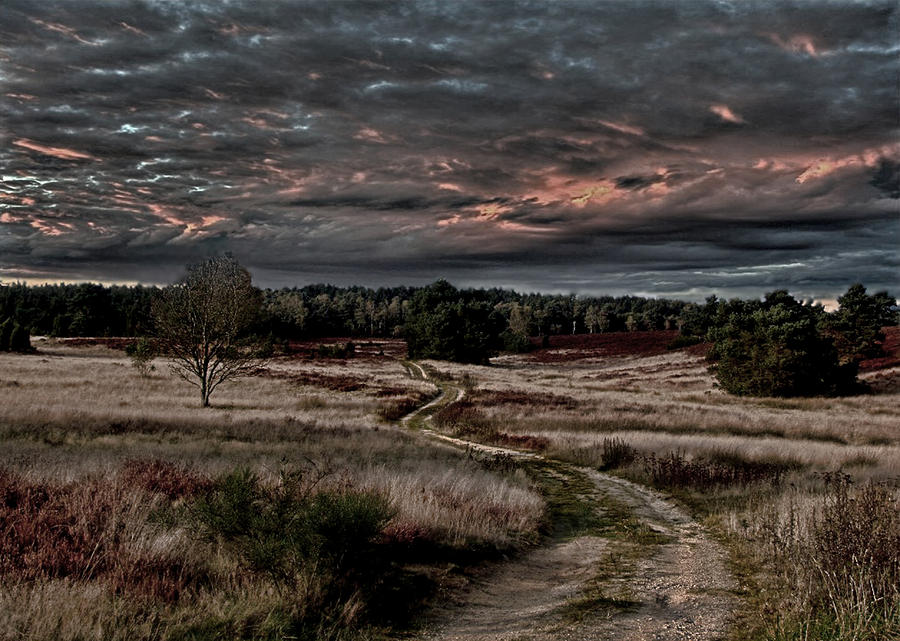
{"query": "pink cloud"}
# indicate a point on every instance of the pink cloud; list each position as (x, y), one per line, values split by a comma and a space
(58, 152)
(799, 43)
(132, 29)
(622, 128)
(63, 29)
(725, 113)
(371, 135)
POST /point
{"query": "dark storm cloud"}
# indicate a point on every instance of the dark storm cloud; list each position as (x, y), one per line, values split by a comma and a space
(659, 147)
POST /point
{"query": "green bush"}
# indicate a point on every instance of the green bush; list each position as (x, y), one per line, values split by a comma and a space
(515, 343)
(446, 324)
(683, 340)
(19, 339)
(856, 326)
(338, 350)
(142, 352)
(292, 534)
(774, 348)
(6, 328)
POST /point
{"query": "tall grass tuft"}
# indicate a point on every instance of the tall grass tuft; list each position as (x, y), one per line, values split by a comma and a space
(839, 566)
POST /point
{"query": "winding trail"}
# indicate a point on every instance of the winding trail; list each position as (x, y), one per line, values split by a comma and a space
(591, 587)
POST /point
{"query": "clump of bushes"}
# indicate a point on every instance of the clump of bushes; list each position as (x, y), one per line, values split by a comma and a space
(617, 453)
(338, 350)
(838, 566)
(315, 545)
(683, 340)
(14, 337)
(782, 347)
(674, 470)
(142, 352)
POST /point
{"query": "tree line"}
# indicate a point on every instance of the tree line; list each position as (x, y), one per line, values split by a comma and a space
(213, 322)
(87, 309)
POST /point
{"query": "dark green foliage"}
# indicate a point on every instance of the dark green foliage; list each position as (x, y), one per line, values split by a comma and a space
(19, 339)
(338, 350)
(683, 340)
(6, 328)
(774, 348)
(142, 352)
(856, 326)
(447, 324)
(515, 343)
(325, 310)
(617, 453)
(288, 531)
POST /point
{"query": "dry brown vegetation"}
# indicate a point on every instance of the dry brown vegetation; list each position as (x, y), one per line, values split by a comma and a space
(101, 470)
(817, 559)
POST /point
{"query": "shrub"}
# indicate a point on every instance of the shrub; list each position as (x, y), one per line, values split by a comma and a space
(142, 352)
(682, 341)
(616, 453)
(338, 350)
(674, 470)
(839, 568)
(515, 343)
(775, 349)
(292, 535)
(19, 339)
(6, 328)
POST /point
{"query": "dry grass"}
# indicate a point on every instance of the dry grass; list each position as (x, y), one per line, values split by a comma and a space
(760, 471)
(99, 468)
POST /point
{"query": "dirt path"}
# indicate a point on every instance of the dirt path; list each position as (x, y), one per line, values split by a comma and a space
(593, 587)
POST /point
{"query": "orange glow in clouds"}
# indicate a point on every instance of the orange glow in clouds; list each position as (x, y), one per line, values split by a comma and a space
(725, 113)
(58, 152)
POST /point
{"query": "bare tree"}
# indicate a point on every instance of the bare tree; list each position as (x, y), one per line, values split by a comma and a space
(202, 321)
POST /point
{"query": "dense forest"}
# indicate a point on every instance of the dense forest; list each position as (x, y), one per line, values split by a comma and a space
(324, 310)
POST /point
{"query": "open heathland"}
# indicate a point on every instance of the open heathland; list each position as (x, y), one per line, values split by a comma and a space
(804, 492)
(300, 506)
(113, 488)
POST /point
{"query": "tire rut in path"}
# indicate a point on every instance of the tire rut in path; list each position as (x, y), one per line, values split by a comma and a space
(682, 589)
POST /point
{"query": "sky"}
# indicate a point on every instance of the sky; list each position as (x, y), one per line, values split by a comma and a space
(673, 149)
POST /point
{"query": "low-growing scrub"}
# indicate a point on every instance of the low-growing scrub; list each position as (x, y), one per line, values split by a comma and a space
(486, 398)
(316, 545)
(397, 408)
(834, 564)
(674, 471)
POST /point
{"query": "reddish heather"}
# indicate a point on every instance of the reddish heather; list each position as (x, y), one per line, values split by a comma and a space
(891, 347)
(163, 477)
(486, 398)
(78, 530)
(337, 383)
(111, 343)
(366, 348)
(582, 346)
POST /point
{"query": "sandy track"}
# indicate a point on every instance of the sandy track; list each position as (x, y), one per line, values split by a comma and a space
(681, 590)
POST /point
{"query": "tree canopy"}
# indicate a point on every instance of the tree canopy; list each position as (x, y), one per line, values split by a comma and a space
(782, 347)
(447, 326)
(202, 323)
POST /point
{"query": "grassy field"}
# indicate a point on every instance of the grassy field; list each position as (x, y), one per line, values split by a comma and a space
(296, 507)
(104, 475)
(803, 491)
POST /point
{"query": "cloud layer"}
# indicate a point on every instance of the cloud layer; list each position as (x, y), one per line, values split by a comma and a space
(641, 147)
